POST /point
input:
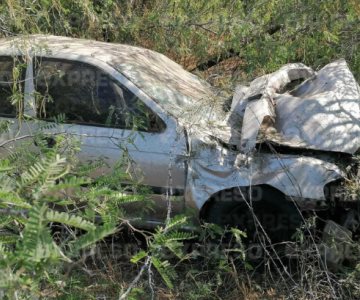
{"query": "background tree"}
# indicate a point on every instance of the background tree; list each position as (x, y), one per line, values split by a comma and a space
(248, 37)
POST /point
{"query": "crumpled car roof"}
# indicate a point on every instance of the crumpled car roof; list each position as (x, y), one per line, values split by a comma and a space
(322, 113)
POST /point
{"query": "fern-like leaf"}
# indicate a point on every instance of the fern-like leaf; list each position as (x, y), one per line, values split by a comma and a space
(70, 220)
(12, 199)
(37, 244)
(93, 236)
(163, 238)
(165, 271)
(176, 221)
(139, 256)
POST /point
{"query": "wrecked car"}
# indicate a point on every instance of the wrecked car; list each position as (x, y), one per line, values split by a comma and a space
(284, 147)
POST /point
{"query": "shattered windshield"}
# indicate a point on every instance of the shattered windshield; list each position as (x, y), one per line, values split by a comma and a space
(179, 92)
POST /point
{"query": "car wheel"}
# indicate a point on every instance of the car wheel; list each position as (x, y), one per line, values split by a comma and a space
(272, 214)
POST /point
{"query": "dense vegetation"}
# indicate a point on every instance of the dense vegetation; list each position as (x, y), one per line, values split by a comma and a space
(259, 36)
(57, 237)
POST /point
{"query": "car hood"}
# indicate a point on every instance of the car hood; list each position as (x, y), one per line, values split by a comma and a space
(321, 113)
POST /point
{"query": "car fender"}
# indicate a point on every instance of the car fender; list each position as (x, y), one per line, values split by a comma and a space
(298, 177)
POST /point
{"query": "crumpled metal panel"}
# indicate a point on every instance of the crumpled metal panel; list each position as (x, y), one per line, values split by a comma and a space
(323, 113)
(260, 101)
(213, 169)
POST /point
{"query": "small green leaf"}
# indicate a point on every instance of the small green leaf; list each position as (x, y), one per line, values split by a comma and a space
(139, 256)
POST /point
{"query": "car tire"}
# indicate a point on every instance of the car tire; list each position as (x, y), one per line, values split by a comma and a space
(278, 217)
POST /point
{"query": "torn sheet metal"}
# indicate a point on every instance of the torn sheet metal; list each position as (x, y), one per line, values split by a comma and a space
(323, 113)
(259, 99)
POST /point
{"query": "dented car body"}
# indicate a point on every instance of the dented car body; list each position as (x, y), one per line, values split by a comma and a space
(291, 142)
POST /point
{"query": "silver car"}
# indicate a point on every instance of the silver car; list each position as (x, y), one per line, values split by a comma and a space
(274, 150)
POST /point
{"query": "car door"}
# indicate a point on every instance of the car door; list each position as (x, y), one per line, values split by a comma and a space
(13, 130)
(112, 118)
